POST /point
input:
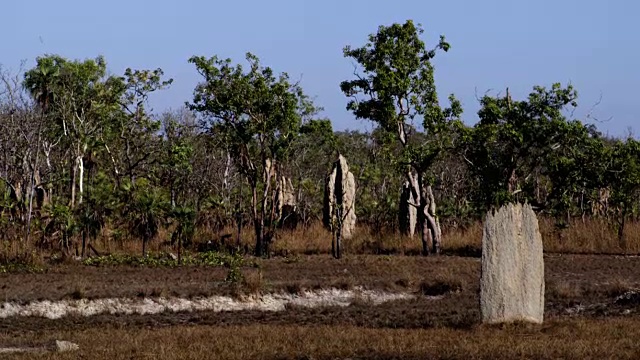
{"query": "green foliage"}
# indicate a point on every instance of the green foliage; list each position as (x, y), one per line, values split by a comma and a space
(514, 139)
(185, 218)
(106, 161)
(62, 224)
(211, 259)
(258, 116)
(397, 88)
(18, 262)
(233, 263)
(12, 268)
(256, 113)
(623, 177)
(146, 211)
(576, 168)
(624, 172)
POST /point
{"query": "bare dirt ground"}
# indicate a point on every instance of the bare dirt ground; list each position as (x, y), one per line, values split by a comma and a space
(587, 314)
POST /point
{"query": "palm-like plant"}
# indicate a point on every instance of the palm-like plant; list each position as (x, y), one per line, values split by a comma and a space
(40, 81)
(185, 218)
(147, 211)
(62, 223)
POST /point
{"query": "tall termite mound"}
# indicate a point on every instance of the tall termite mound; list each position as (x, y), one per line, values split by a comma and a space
(512, 280)
(285, 202)
(340, 198)
(408, 212)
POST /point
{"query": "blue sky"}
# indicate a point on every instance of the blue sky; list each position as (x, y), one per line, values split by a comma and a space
(495, 44)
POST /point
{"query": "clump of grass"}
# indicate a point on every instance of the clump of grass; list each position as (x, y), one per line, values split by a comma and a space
(407, 280)
(563, 290)
(403, 282)
(253, 282)
(441, 285)
(294, 288)
(292, 259)
(233, 263)
(618, 287)
(19, 258)
(159, 292)
(77, 294)
(360, 300)
(344, 283)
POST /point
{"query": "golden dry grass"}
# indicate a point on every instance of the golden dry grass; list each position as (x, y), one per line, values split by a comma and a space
(591, 236)
(566, 339)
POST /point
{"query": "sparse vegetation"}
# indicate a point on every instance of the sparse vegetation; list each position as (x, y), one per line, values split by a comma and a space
(98, 192)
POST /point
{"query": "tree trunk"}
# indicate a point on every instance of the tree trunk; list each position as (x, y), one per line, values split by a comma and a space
(73, 185)
(257, 223)
(84, 241)
(428, 221)
(33, 174)
(426, 234)
(333, 245)
(173, 196)
(80, 178)
(239, 228)
(622, 223)
(266, 180)
(338, 253)
(432, 219)
(180, 250)
(144, 246)
(339, 207)
(65, 242)
(259, 227)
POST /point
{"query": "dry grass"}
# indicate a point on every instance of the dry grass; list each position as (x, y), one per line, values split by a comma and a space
(563, 290)
(591, 236)
(463, 241)
(253, 281)
(441, 284)
(566, 339)
(17, 252)
(422, 328)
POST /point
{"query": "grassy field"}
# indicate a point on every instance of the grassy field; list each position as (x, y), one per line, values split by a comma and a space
(584, 317)
(591, 309)
(613, 338)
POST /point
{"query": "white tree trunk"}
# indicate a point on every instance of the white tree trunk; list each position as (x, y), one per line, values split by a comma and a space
(73, 185)
(81, 178)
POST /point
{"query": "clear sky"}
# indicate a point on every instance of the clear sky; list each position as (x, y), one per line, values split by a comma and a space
(495, 44)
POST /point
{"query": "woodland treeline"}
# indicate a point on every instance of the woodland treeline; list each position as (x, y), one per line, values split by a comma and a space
(81, 152)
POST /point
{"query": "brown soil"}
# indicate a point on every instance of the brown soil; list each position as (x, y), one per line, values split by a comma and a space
(379, 272)
(569, 277)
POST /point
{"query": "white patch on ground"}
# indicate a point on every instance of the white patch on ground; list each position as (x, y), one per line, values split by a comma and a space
(267, 302)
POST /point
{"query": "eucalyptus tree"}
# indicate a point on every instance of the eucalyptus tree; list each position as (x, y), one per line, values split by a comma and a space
(623, 178)
(576, 171)
(509, 148)
(136, 143)
(259, 115)
(394, 87)
(309, 164)
(70, 93)
(21, 125)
